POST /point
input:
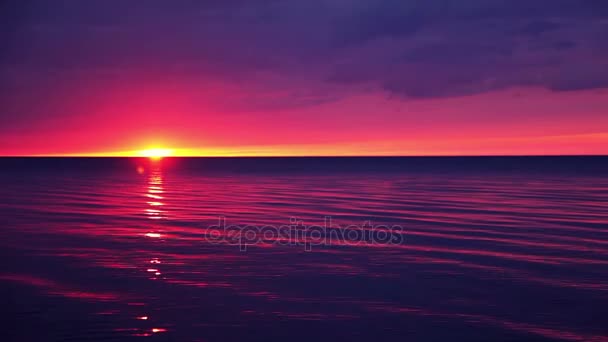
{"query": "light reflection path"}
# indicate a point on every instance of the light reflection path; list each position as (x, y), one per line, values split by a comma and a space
(154, 210)
(155, 193)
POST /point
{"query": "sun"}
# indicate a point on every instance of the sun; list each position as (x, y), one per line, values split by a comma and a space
(156, 153)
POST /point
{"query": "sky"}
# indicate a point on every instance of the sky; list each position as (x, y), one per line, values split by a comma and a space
(314, 77)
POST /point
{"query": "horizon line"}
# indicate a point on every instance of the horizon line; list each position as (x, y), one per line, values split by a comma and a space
(308, 156)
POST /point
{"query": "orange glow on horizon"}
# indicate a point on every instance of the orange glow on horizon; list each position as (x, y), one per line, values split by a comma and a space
(455, 145)
(519, 121)
(566, 144)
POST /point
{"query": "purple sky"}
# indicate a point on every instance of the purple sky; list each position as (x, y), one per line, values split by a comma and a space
(286, 77)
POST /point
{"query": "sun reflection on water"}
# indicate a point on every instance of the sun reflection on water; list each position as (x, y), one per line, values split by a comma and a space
(154, 209)
(155, 191)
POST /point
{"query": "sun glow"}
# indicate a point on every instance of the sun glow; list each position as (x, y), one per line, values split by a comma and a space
(156, 153)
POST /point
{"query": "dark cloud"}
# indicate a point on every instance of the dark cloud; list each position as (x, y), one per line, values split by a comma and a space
(418, 48)
(564, 45)
(462, 48)
(579, 77)
(538, 27)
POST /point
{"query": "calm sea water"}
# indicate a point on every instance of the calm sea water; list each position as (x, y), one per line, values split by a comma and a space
(461, 249)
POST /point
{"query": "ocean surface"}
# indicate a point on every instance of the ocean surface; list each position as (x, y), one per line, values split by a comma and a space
(304, 249)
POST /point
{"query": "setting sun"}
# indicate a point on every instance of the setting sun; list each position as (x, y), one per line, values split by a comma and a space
(156, 153)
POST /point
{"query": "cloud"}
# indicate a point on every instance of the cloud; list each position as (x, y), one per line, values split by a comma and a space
(410, 49)
(455, 49)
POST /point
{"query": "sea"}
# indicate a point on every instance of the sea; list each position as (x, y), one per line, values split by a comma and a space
(304, 249)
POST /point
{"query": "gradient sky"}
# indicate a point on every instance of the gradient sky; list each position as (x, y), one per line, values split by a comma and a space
(314, 77)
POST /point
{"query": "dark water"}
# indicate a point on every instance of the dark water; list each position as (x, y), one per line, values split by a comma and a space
(461, 249)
